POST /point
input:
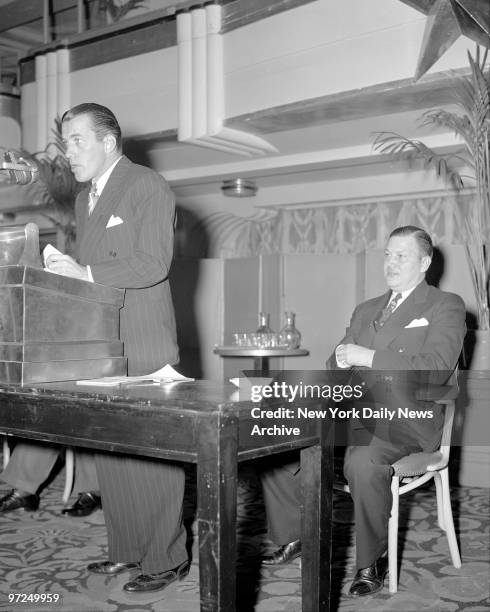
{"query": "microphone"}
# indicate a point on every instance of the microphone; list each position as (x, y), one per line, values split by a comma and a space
(20, 171)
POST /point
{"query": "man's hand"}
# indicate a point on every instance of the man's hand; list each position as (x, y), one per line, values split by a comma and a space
(354, 355)
(67, 266)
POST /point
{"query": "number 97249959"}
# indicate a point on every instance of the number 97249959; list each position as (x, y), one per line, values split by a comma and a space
(34, 600)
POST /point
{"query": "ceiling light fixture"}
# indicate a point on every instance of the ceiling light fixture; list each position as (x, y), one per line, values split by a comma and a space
(239, 188)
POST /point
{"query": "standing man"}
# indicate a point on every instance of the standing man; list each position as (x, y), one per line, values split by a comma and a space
(411, 328)
(125, 227)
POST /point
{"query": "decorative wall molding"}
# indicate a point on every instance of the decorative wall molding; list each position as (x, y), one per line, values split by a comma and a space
(148, 32)
(318, 230)
(52, 92)
(202, 86)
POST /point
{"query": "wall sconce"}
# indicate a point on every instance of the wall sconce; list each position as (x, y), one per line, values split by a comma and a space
(239, 188)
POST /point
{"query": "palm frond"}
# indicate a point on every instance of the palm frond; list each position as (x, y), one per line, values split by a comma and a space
(460, 125)
(58, 143)
(402, 148)
(471, 123)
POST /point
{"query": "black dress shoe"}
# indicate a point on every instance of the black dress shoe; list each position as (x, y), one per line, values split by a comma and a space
(85, 505)
(154, 582)
(370, 579)
(111, 569)
(284, 554)
(18, 499)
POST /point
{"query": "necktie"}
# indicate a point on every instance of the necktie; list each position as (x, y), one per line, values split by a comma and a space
(93, 196)
(388, 310)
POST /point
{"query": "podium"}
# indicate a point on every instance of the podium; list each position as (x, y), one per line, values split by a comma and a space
(55, 328)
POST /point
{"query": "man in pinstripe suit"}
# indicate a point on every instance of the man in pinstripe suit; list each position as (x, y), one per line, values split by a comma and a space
(125, 239)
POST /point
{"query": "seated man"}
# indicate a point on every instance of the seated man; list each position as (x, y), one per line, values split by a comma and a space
(413, 327)
(31, 464)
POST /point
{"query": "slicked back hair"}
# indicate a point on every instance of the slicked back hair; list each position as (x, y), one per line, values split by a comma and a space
(103, 120)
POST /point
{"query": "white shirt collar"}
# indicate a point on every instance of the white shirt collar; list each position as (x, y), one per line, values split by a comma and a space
(404, 295)
(102, 180)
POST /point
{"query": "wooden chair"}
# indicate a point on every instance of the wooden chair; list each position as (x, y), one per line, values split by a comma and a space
(6, 452)
(69, 467)
(416, 469)
(69, 473)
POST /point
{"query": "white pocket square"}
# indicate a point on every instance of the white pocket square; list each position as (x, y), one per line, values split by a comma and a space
(417, 323)
(114, 221)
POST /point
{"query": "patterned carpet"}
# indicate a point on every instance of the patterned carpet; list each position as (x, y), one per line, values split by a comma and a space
(43, 552)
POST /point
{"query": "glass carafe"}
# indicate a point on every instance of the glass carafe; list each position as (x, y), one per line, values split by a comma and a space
(263, 327)
(289, 335)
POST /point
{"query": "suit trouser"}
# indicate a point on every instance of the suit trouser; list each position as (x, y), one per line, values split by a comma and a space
(368, 471)
(281, 481)
(142, 500)
(373, 448)
(367, 468)
(31, 463)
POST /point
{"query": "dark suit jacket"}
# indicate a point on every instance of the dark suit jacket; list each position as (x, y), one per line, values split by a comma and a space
(414, 355)
(435, 346)
(404, 357)
(134, 255)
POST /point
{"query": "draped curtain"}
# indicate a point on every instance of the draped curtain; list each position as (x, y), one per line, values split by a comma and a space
(321, 229)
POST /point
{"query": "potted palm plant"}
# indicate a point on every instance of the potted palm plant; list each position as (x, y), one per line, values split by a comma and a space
(471, 124)
(57, 188)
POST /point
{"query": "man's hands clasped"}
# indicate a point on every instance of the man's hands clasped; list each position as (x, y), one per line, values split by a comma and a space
(348, 355)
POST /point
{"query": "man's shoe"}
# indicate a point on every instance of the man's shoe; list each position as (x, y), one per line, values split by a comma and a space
(18, 499)
(154, 582)
(370, 579)
(111, 569)
(284, 554)
(85, 505)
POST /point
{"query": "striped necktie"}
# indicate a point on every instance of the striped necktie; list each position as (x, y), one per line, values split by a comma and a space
(93, 197)
(388, 310)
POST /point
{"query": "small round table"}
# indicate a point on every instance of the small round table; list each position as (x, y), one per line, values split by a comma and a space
(261, 355)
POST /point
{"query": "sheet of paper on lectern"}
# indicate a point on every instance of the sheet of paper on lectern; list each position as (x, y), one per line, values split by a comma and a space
(164, 375)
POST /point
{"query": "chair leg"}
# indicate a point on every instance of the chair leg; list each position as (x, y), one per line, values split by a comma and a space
(6, 452)
(448, 518)
(393, 536)
(69, 473)
(440, 501)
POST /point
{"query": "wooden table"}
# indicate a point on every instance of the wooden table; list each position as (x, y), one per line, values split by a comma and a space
(261, 355)
(191, 422)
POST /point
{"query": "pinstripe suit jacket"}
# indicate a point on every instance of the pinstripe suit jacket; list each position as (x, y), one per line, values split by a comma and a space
(134, 255)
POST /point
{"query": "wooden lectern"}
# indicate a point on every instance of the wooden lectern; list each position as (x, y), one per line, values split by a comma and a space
(53, 327)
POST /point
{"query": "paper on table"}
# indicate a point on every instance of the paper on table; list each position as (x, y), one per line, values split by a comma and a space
(164, 375)
(245, 384)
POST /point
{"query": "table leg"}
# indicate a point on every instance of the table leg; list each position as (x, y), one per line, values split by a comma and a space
(261, 364)
(216, 508)
(316, 482)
